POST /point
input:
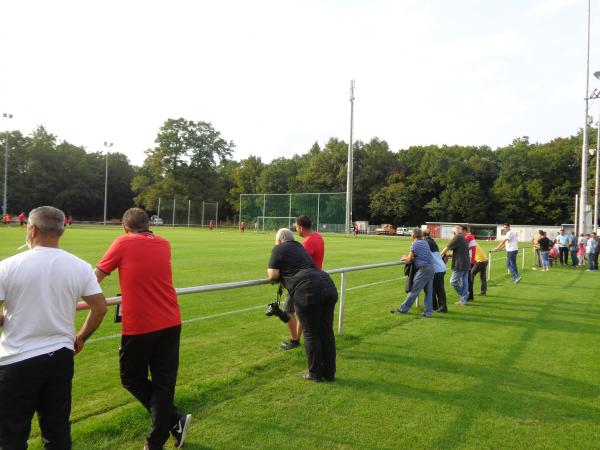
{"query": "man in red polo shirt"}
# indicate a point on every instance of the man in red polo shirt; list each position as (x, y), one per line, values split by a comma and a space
(151, 324)
(315, 246)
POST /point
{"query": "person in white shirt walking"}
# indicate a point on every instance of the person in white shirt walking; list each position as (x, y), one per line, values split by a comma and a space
(39, 290)
(511, 243)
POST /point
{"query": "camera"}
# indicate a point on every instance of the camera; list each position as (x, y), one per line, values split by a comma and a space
(273, 309)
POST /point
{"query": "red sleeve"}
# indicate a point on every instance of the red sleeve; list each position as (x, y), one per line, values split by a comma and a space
(112, 258)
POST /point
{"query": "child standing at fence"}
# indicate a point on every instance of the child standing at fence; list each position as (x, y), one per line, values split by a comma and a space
(581, 254)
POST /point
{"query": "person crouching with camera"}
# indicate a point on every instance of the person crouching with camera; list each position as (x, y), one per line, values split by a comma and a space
(314, 295)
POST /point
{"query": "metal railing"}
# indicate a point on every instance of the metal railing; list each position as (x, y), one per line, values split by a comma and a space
(521, 250)
(249, 283)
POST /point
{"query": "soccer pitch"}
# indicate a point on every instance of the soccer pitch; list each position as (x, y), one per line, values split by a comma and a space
(516, 369)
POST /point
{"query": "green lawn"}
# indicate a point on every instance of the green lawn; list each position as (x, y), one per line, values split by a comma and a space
(516, 369)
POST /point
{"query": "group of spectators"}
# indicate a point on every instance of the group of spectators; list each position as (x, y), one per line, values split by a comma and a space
(426, 268)
(39, 291)
(581, 249)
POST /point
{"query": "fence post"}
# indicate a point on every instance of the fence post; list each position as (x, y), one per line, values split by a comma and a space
(290, 214)
(173, 210)
(158, 212)
(264, 209)
(217, 216)
(489, 271)
(189, 207)
(318, 209)
(523, 263)
(202, 221)
(342, 301)
(240, 221)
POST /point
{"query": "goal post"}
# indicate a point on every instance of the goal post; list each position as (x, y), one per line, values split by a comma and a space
(266, 211)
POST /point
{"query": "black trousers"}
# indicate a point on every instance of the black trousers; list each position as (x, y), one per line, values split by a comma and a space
(564, 255)
(439, 291)
(319, 340)
(156, 353)
(471, 297)
(40, 384)
(480, 268)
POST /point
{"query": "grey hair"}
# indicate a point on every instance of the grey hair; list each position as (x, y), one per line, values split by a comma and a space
(418, 233)
(283, 235)
(457, 229)
(48, 220)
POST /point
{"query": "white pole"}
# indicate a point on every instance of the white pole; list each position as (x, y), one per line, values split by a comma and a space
(585, 148)
(202, 224)
(595, 224)
(240, 221)
(523, 262)
(318, 209)
(173, 210)
(342, 302)
(350, 164)
(264, 209)
(290, 214)
(489, 271)
(158, 212)
(6, 116)
(105, 184)
(577, 215)
(189, 208)
(217, 216)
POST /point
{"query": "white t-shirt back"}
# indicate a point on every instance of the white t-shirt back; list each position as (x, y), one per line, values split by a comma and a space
(512, 242)
(40, 289)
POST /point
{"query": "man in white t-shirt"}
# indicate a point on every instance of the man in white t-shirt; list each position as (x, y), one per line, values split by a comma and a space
(39, 291)
(511, 243)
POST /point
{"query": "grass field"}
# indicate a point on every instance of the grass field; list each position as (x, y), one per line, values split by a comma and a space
(516, 369)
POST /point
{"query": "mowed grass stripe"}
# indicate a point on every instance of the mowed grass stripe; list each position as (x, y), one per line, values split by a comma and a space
(516, 369)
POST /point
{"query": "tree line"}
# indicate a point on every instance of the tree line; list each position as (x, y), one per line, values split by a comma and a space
(523, 183)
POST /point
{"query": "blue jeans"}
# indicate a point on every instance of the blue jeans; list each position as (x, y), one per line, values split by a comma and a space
(573, 258)
(423, 278)
(545, 257)
(591, 261)
(511, 263)
(460, 282)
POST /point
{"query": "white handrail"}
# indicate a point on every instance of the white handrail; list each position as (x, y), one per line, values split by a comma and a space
(250, 283)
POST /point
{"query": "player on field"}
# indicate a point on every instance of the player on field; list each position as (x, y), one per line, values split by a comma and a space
(22, 218)
(242, 226)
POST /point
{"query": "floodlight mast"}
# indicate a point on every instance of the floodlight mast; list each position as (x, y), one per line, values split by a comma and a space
(7, 116)
(581, 226)
(349, 178)
(108, 145)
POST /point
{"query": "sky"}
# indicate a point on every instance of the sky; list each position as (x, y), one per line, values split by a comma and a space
(273, 76)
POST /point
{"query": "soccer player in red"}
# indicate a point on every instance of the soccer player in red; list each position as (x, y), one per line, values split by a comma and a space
(6, 219)
(151, 324)
(210, 225)
(22, 218)
(315, 246)
(242, 226)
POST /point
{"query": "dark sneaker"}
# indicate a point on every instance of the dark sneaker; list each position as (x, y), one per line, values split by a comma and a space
(290, 345)
(398, 311)
(516, 280)
(179, 431)
(310, 377)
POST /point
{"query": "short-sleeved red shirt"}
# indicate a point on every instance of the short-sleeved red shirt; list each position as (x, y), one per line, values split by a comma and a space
(315, 246)
(149, 300)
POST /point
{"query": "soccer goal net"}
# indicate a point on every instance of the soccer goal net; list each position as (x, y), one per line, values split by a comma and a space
(268, 212)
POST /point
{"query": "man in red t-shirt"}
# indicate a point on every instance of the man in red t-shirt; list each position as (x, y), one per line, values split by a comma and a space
(472, 250)
(315, 246)
(151, 324)
(22, 218)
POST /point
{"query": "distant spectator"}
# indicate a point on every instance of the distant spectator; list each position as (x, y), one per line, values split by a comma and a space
(461, 264)
(472, 244)
(545, 244)
(536, 247)
(563, 247)
(511, 244)
(573, 249)
(597, 239)
(591, 250)
(439, 268)
(480, 267)
(421, 257)
(22, 218)
(242, 226)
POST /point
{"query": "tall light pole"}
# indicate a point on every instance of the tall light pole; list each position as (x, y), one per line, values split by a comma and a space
(108, 145)
(595, 223)
(350, 175)
(582, 224)
(6, 116)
